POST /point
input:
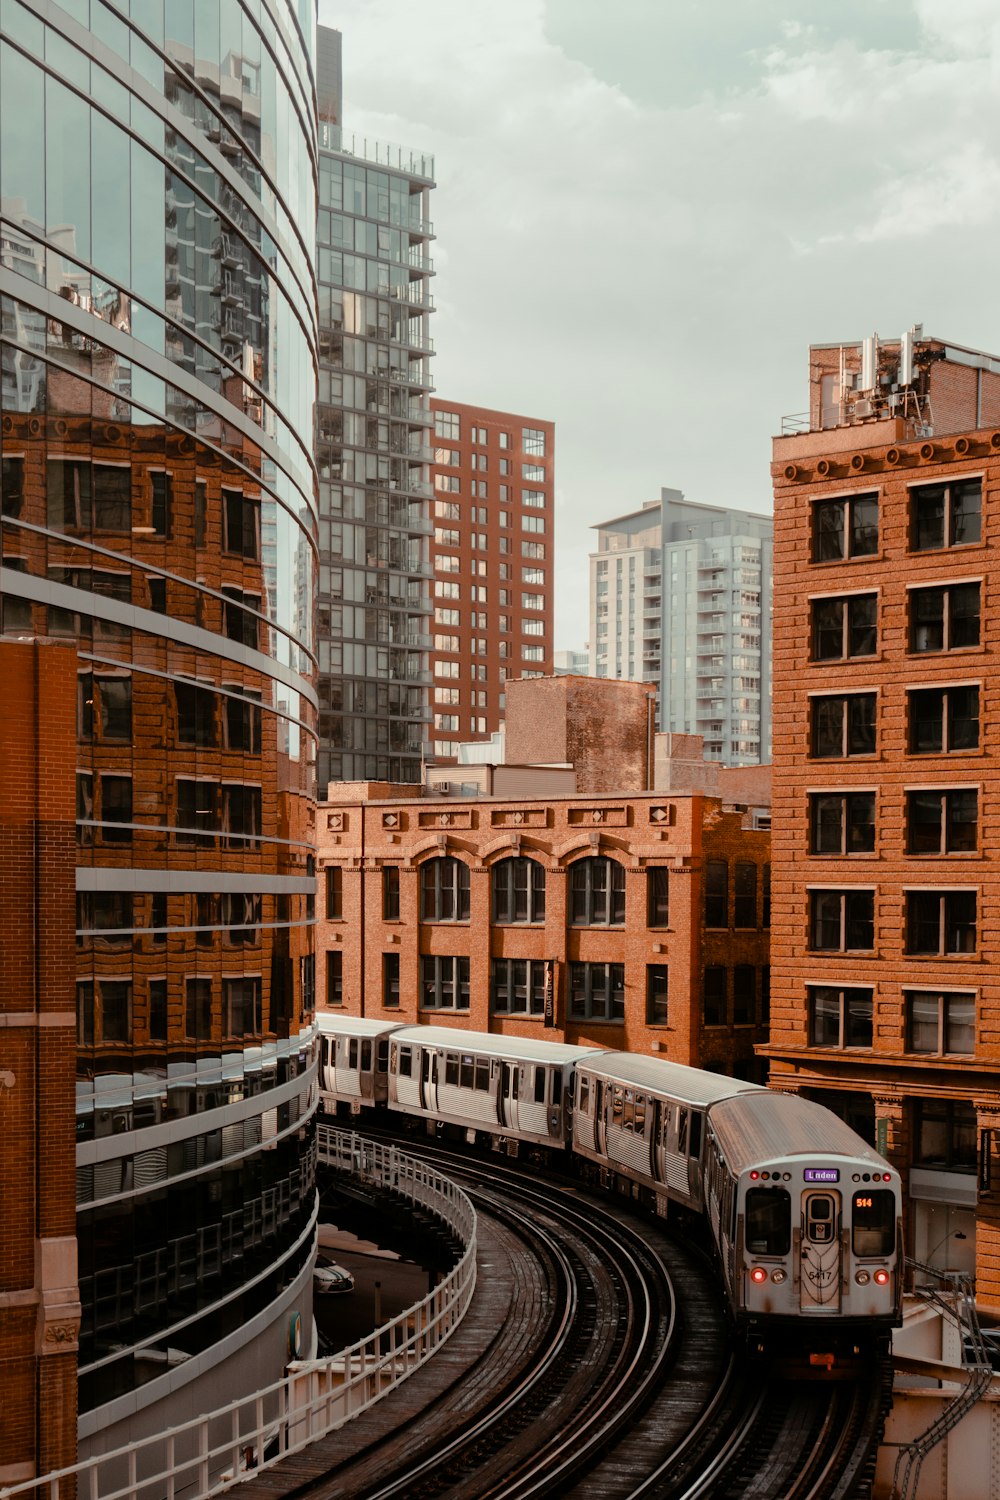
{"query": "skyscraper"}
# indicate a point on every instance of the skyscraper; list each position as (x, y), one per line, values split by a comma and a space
(373, 448)
(680, 595)
(158, 183)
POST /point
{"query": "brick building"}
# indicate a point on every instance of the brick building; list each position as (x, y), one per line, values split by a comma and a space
(617, 915)
(39, 1299)
(493, 555)
(886, 946)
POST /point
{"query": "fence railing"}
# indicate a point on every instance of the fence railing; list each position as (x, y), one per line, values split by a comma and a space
(212, 1453)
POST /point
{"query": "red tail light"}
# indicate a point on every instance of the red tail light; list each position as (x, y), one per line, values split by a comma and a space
(758, 1274)
(881, 1278)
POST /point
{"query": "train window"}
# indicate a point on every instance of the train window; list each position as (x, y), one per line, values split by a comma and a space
(628, 1113)
(768, 1221)
(640, 1115)
(451, 1069)
(617, 1101)
(466, 1072)
(482, 1075)
(820, 1227)
(405, 1062)
(873, 1222)
(366, 1057)
(352, 1053)
(694, 1145)
(682, 1130)
(515, 1079)
(382, 1053)
(556, 1086)
(584, 1105)
(539, 1085)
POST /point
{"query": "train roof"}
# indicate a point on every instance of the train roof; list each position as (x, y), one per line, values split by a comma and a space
(490, 1044)
(768, 1124)
(658, 1075)
(335, 1025)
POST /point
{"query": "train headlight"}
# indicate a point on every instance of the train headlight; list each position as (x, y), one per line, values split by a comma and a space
(862, 1278)
(881, 1278)
(778, 1274)
(758, 1274)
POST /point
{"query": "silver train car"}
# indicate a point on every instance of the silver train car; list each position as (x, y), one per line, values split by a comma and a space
(354, 1063)
(511, 1089)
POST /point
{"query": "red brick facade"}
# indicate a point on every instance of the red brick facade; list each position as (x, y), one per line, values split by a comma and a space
(377, 840)
(39, 1302)
(493, 554)
(886, 789)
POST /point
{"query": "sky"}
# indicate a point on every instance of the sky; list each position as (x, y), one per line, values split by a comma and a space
(646, 210)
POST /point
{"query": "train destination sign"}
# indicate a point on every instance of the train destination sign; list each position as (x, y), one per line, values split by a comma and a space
(821, 1174)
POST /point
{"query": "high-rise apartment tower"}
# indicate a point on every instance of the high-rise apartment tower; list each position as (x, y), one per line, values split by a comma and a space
(493, 552)
(373, 448)
(680, 595)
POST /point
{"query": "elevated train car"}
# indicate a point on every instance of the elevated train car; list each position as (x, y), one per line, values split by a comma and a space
(644, 1118)
(509, 1088)
(806, 1216)
(354, 1062)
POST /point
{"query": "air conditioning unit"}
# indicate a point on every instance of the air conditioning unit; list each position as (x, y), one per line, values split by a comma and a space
(444, 787)
(863, 408)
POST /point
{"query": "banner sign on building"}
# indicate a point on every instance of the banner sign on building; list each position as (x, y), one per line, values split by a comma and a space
(550, 992)
(985, 1160)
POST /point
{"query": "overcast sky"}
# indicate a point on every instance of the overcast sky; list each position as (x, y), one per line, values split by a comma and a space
(646, 210)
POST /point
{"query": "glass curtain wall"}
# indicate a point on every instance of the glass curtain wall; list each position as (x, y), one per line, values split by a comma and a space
(158, 179)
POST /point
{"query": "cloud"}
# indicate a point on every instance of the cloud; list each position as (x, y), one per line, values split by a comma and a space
(647, 266)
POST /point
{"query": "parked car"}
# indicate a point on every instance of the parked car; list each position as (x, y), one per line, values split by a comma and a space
(328, 1277)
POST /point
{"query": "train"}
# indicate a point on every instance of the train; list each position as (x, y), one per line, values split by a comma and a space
(804, 1218)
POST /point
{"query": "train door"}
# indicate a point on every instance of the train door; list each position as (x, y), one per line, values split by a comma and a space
(656, 1169)
(507, 1095)
(428, 1079)
(600, 1133)
(819, 1285)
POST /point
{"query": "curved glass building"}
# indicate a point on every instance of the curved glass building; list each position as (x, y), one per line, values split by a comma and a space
(158, 178)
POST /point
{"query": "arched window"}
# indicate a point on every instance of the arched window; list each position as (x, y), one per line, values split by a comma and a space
(597, 893)
(518, 891)
(444, 891)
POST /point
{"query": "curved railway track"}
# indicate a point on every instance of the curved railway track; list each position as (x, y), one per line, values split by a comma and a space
(627, 1388)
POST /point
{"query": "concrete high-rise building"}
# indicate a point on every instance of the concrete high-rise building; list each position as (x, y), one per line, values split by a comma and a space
(493, 553)
(157, 513)
(680, 595)
(885, 947)
(372, 447)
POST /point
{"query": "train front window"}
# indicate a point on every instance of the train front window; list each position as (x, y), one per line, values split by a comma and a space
(366, 1057)
(352, 1054)
(585, 1096)
(539, 1085)
(383, 1056)
(769, 1221)
(873, 1222)
(405, 1062)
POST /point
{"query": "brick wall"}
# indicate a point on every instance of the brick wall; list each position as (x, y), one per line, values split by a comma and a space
(39, 1307)
(600, 727)
(639, 833)
(890, 1070)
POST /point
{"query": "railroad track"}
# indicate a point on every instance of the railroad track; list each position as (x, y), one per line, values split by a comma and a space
(625, 1388)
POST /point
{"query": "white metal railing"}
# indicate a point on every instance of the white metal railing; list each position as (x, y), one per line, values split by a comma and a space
(210, 1454)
